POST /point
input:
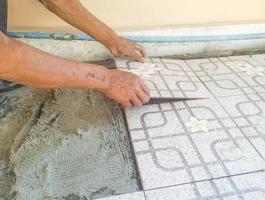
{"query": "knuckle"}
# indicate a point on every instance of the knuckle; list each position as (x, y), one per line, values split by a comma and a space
(131, 96)
(135, 84)
(139, 90)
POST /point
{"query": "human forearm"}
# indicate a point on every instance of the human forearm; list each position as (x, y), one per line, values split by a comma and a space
(73, 12)
(27, 65)
(30, 66)
(77, 15)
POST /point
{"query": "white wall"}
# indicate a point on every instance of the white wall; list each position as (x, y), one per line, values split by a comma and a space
(135, 14)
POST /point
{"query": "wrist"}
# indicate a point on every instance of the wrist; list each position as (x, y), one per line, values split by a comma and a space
(94, 77)
(104, 81)
(112, 42)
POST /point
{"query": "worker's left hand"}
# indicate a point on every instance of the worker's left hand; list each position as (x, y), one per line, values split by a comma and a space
(128, 49)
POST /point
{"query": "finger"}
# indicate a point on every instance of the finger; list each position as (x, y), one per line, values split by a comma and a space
(142, 57)
(136, 55)
(136, 101)
(141, 50)
(143, 96)
(132, 56)
(145, 88)
(126, 104)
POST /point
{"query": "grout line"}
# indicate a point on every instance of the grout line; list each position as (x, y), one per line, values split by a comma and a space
(145, 197)
(247, 138)
(140, 181)
(232, 118)
(218, 101)
(205, 180)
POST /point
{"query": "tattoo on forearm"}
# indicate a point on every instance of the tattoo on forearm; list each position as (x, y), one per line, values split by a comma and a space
(93, 76)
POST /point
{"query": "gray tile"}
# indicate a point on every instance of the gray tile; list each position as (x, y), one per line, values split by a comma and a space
(247, 187)
(166, 78)
(129, 196)
(248, 112)
(171, 150)
(232, 76)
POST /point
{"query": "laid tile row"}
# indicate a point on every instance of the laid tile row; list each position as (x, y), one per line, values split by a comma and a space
(189, 141)
(245, 186)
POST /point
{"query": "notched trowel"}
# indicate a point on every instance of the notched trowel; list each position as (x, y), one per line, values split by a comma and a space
(159, 100)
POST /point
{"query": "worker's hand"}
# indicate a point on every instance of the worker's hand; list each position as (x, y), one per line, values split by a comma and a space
(128, 49)
(127, 89)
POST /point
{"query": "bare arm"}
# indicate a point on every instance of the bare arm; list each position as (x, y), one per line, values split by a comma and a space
(27, 65)
(30, 66)
(77, 15)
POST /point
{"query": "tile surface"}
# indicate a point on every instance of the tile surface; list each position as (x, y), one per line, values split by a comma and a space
(166, 78)
(246, 187)
(238, 82)
(248, 112)
(229, 76)
(203, 149)
(171, 149)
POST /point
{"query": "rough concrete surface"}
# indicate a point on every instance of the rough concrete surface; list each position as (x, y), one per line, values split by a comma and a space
(63, 144)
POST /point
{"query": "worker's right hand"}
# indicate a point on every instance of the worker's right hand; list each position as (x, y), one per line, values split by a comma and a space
(127, 89)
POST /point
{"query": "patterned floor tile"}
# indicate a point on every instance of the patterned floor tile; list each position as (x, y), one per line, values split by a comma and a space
(188, 141)
(259, 58)
(230, 76)
(129, 196)
(242, 187)
(166, 78)
(248, 112)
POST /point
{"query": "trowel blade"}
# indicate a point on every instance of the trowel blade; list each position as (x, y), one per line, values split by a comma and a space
(158, 100)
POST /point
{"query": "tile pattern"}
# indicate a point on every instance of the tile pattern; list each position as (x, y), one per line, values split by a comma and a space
(248, 112)
(169, 78)
(228, 76)
(169, 153)
(242, 94)
(204, 149)
(243, 187)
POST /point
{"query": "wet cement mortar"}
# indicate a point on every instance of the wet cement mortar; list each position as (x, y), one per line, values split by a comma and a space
(63, 144)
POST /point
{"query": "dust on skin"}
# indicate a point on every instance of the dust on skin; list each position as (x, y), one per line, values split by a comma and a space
(69, 143)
